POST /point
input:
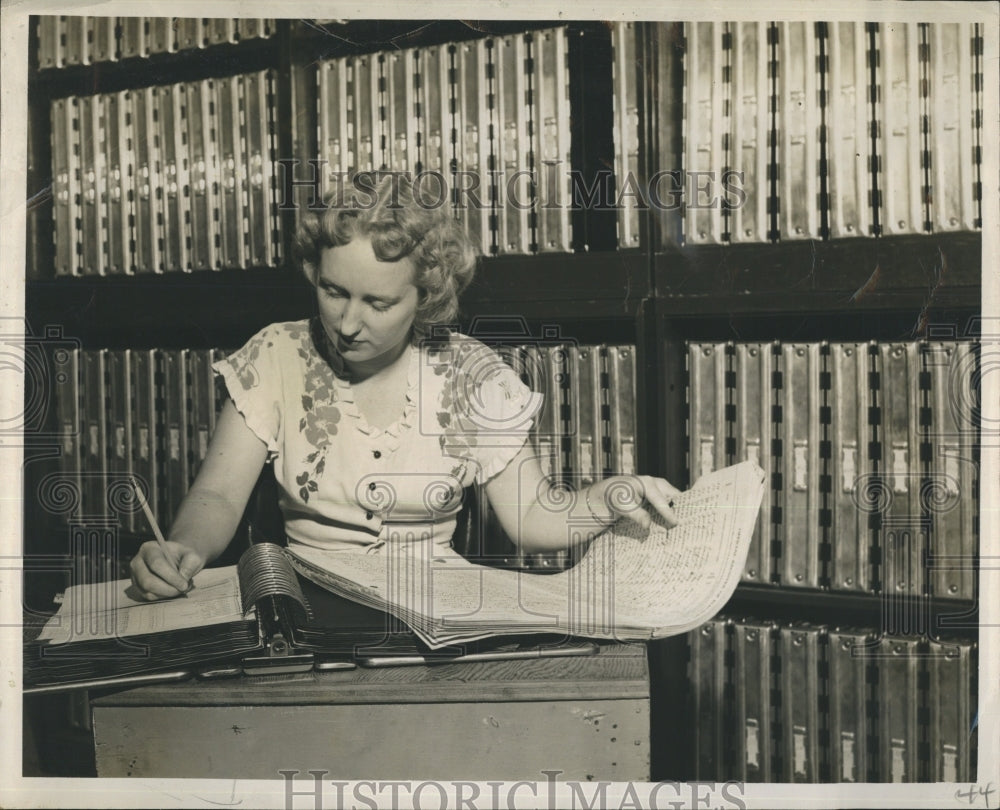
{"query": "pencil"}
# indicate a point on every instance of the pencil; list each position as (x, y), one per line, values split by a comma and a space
(152, 522)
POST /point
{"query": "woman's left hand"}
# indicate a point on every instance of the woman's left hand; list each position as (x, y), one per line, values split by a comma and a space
(637, 497)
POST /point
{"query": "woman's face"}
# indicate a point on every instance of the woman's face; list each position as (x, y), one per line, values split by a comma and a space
(367, 306)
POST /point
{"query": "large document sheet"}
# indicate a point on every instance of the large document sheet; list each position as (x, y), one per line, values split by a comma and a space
(632, 583)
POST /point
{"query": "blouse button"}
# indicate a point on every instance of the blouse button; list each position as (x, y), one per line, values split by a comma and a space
(371, 485)
(368, 516)
(377, 454)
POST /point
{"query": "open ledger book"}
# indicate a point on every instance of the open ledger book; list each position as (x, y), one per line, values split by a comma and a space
(632, 583)
(239, 614)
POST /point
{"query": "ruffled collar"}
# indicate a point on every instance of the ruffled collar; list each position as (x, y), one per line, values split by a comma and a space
(390, 435)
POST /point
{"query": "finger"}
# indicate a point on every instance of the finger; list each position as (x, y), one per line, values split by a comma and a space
(666, 516)
(662, 486)
(139, 570)
(149, 586)
(163, 568)
(670, 520)
(661, 504)
(189, 564)
(666, 487)
(641, 517)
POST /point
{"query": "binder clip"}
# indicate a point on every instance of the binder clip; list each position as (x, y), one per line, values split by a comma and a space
(279, 658)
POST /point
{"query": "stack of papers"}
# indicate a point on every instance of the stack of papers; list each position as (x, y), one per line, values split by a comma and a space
(632, 584)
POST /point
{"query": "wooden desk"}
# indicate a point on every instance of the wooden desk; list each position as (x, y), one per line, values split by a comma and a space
(587, 717)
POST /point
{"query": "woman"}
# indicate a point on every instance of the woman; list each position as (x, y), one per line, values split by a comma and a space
(373, 419)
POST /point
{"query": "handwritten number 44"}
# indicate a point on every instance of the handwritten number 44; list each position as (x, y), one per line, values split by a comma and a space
(976, 792)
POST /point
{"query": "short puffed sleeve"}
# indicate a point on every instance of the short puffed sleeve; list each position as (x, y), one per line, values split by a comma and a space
(500, 410)
(253, 379)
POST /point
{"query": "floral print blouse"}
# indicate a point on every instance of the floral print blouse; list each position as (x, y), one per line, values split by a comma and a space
(347, 485)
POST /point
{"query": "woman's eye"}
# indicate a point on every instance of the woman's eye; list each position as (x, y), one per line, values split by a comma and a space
(381, 307)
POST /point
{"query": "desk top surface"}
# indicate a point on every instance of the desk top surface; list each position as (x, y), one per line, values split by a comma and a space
(616, 672)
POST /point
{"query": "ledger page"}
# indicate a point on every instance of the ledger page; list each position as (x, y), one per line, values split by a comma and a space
(104, 610)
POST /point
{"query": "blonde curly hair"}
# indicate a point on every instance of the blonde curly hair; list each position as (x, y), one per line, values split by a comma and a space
(401, 221)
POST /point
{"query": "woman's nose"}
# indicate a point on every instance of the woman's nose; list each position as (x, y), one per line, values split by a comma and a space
(350, 320)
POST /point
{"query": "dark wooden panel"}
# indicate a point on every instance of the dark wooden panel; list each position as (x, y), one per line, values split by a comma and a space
(227, 59)
(604, 284)
(934, 616)
(169, 310)
(224, 308)
(592, 139)
(926, 272)
(910, 323)
(326, 40)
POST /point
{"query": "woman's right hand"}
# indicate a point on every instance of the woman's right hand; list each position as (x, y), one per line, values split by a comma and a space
(157, 576)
